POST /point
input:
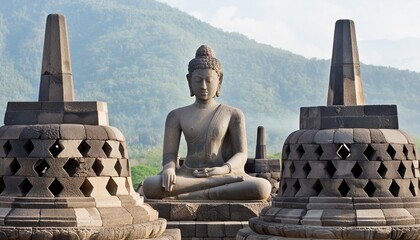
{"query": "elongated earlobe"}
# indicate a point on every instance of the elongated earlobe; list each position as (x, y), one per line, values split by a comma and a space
(189, 85)
(219, 88)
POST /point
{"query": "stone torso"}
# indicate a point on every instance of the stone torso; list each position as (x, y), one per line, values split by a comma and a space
(206, 131)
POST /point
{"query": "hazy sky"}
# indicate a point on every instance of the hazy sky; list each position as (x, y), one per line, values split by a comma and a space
(388, 31)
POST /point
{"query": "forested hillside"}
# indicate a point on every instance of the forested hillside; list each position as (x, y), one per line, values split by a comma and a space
(133, 54)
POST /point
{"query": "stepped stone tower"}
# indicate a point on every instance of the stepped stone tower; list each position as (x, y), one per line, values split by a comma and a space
(349, 172)
(64, 172)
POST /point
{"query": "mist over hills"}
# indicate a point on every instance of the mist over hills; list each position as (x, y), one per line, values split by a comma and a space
(133, 54)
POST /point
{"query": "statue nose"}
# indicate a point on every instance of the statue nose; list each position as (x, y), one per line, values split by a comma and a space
(203, 85)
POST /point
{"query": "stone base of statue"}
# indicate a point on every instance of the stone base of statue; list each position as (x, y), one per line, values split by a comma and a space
(217, 219)
(207, 219)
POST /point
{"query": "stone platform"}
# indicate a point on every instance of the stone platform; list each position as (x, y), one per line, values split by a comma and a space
(207, 220)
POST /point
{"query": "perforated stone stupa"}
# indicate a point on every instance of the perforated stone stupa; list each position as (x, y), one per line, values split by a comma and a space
(349, 172)
(64, 173)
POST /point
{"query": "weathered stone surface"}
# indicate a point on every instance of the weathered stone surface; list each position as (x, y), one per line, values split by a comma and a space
(324, 136)
(96, 133)
(21, 217)
(369, 116)
(41, 148)
(87, 217)
(95, 149)
(343, 135)
(115, 216)
(57, 218)
(394, 136)
(184, 211)
(72, 132)
(361, 135)
(71, 187)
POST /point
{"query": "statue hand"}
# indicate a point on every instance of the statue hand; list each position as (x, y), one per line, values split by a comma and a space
(168, 179)
(210, 172)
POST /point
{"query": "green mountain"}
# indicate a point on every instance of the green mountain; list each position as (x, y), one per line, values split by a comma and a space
(133, 54)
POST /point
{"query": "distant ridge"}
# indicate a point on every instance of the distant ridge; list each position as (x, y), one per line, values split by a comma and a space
(133, 54)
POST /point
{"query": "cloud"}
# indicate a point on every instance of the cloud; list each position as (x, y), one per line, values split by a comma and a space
(306, 27)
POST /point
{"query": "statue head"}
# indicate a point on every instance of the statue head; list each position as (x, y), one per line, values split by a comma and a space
(205, 58)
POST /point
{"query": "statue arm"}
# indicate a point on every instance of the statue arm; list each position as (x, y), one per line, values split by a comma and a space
(170, 150)
(237, 133)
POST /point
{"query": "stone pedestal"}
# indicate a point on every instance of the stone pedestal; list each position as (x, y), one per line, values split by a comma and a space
(207, 220)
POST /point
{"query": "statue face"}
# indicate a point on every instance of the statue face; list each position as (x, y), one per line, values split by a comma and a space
(204, 83)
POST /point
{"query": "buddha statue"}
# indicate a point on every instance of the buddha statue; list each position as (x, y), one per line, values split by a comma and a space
(216, 144)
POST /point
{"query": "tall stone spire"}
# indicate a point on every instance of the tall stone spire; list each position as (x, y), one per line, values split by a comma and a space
(345, 86)
(56, 75)
(56, 102)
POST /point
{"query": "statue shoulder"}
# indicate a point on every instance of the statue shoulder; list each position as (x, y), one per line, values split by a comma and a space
(178, 111)
(175, 116)
(235, 113)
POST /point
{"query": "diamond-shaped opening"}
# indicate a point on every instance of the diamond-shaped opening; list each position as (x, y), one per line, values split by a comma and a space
(2, 185)
(118, 167)
(405, 151)
(56, 148)
(122, 150)
(343, 151)
(296, 186)
(284, 186)
(14, 166)
(300, 151)
(401, 169)
(382, 170)
(413, 189)
(370, 189)
(112, 187)
(369, 152)
(330, 168)
(357, 170)
(394, 188)
(391, 151)
(286, 151)
(317, 187)
(307, 169)
(344, 188)
(319, 151)
(55, 188)
(84, 148)
(97, 167)
(292, 168)
(71, 166)
(25, 186)
(86, 188)
(41, 166)
(7, 147)
(107, 149)
(28, 146)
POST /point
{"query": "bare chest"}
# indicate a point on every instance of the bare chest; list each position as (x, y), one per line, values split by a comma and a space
(208, 126)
